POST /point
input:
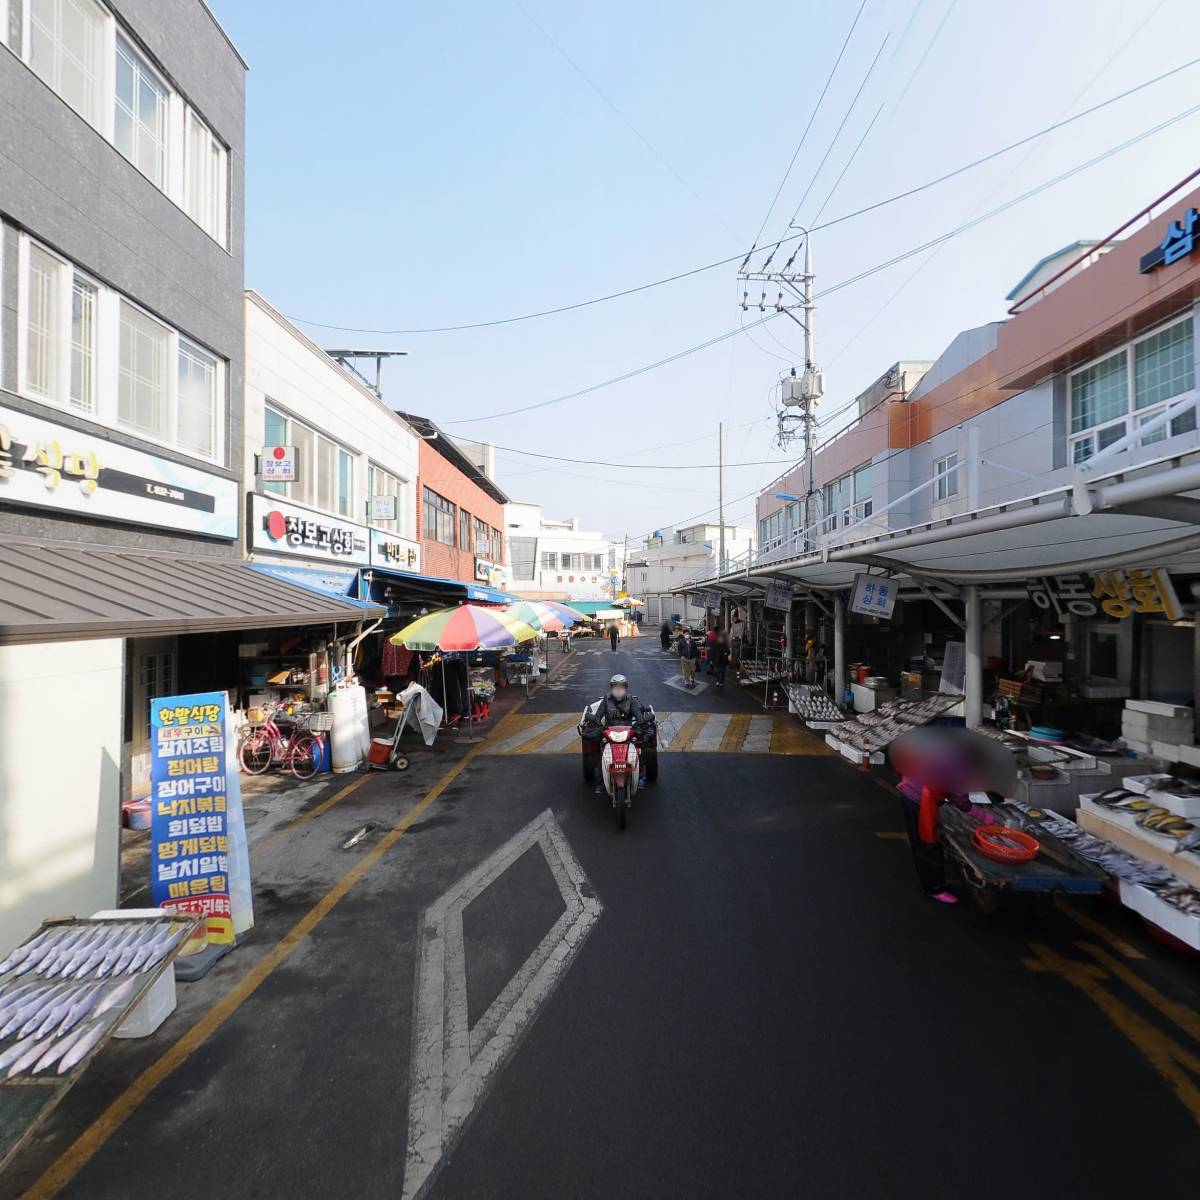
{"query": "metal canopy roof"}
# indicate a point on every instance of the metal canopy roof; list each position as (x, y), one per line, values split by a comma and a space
(1134, 519)
(59, 592)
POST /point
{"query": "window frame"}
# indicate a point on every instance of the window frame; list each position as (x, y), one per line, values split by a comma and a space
(106, 76)
(396, 488)
(447, 507)
(124, 44)
(308, 465)
(945, 477)
(1085, 443)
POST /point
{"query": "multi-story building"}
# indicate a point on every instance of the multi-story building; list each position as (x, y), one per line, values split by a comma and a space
(556, 560)
(670, 560)
(461, 526)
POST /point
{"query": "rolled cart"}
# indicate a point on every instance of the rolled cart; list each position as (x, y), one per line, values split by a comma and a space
(1056, 868)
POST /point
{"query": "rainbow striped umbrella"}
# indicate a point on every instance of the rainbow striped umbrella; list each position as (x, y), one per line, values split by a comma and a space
(539, 615)
(467, 627)
(568, 614)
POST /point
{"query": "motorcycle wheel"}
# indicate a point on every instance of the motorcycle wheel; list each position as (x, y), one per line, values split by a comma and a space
(620, 802)
(650, 759)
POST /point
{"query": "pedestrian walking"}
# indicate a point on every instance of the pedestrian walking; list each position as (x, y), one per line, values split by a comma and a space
(614, 635)
(664, 635)
(720, 652)
(710, 640)
(688, 652)
(564, 640)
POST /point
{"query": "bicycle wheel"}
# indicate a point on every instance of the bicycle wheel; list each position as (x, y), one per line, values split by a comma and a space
(256, 753)
(305, 756)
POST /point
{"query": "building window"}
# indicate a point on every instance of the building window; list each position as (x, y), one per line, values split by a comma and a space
(42, 329)
(483, 539)
(1138, 382)
(945, 477)
(140, 115)
(142, 394)
(83, 345)
(524, 555)
(205, 171)
(324, 470)
(384, 483)
(464, 530)
(197, 428)
(66, 49)
(597, 562)
(549, 560)
(439, 518)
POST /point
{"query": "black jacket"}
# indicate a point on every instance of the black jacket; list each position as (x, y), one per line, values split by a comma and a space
(608, 711)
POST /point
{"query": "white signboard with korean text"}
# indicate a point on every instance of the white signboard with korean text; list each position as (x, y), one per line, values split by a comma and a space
(277, 527)
(779, 594)
(277, 464)
(383, 508)
(46, 465)
(388, 550)
(873, 596)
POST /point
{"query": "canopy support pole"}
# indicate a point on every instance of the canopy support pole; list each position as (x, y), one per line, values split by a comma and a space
(973, 681)
(839, 649)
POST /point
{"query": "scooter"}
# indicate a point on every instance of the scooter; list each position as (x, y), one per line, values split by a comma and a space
(619, 766)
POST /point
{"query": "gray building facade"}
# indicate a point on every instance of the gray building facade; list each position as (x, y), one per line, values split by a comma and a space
(122, 172)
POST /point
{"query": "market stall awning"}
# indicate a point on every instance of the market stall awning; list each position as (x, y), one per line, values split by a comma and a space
(52, 591)
(386, 585)
(339, 584)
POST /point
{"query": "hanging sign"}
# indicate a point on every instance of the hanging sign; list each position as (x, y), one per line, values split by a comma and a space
(954, 668)
(1117, 594)
(277, 464)
(712, 600)
(873, 596)
(199, 862)
(383, 508)
(779, 594)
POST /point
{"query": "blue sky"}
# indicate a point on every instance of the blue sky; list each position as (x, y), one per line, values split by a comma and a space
(424, 165)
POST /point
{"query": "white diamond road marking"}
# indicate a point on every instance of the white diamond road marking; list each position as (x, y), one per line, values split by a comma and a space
(676, 681)
(452, 1064)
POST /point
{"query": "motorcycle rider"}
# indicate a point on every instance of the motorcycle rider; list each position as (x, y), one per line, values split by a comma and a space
(617, 707)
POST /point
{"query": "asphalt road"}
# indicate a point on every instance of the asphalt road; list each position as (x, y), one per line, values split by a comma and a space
(742, 995)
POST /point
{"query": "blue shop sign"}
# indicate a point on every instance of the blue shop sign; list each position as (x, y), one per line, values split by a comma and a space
(1179, 242)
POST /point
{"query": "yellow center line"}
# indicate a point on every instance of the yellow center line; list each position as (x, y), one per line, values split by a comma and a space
(1181, 1014)
(81, 1151)
(545, 736)
(689, 732)
(323, 807)
(1095, 928)
(735, 733)
(1164, 1054)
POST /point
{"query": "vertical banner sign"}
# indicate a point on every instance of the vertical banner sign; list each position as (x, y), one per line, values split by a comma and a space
(954, 669)
(779, 594)
(199, 861)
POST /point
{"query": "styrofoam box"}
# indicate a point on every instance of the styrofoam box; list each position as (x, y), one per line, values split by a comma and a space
(1176, 752)
(1128, 820)
(1158, 708)
(1142, 783)
(1184, 926)
(159, 1002)
(1135, 722)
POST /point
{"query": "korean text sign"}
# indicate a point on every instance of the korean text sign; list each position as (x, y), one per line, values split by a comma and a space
(198, 857)
(873, 596)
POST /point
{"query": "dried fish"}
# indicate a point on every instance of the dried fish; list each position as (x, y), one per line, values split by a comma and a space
(34, 1002)
(114, 951)
(117, 996)
(35, 1051)
(60, 1047)
(82, 1047)
(163, 949)
(39, 1007)
(83, 1004)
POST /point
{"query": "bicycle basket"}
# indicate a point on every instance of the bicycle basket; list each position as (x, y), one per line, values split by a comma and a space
(256, 716)
(318, 722)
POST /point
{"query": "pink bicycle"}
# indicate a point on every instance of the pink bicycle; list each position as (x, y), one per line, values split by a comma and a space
(299, 751)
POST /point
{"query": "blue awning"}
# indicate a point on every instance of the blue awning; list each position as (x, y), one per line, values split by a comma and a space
(450, 590)
(476, 591)
(327, 581)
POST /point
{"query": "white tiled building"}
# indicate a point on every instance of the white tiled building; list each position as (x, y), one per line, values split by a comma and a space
(556, 560)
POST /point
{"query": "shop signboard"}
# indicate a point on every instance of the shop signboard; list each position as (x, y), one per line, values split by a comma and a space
(388, 550)
(493, 574)
(383, 508)
(46, 465)
(277, 464)
(199, 862)
(779, 594)
(711, 600)
(873, 596)
(1178, 242)
(954, 668)
(277, 527)
(1117, 594)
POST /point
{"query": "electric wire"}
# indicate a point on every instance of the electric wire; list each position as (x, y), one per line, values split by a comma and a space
(937, 33)
(692, 272)
(849, 162)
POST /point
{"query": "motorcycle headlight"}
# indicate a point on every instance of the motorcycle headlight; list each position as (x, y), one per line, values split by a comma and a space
(619, 736)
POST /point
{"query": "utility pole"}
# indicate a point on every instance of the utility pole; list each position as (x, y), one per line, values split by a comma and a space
(721, 495)
(811, 375)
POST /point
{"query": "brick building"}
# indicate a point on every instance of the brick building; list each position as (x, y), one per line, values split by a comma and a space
(461, 526)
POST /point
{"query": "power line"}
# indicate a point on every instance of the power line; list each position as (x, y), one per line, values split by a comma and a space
(849, 162)
(804, 135)
(592, 462)
(937, 33)
(723, 262)
(843, 283)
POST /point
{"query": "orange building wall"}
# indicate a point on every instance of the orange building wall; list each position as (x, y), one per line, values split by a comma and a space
(440, 475)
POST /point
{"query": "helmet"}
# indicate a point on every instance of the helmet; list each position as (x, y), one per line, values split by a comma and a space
(618, 687)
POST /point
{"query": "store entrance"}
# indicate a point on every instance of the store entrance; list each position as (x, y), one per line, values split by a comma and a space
(153, 669)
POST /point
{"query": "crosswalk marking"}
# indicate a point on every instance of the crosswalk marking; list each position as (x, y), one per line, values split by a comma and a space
(678, 733)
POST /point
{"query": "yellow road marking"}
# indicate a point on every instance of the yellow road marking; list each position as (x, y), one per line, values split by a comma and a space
(1185, 1017)
(323, 807)
(735, 733)
(81, 1151)
(547, 735)
(789, 736)
(688, 732)
(1095, 927)
(1164, 1054)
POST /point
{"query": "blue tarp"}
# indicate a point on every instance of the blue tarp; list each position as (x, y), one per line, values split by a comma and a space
(329, 582)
